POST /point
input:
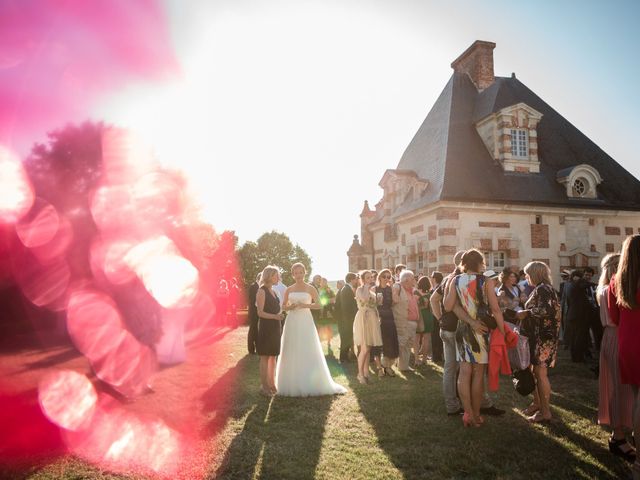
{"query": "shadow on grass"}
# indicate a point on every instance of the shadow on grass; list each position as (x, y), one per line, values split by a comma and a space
(51, 360)
(277, 437)
(423, 442)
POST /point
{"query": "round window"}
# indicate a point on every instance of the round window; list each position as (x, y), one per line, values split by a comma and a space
(580, 187)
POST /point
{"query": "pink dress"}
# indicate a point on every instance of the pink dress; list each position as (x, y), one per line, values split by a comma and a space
(615, 402)
(628, 322)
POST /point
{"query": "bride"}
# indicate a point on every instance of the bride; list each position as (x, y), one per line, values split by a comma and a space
(302, 370)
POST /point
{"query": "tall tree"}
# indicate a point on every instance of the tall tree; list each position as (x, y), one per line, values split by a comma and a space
(64, 172)
(272, 248)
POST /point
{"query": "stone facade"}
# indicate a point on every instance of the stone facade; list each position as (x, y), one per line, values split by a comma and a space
(565, 238)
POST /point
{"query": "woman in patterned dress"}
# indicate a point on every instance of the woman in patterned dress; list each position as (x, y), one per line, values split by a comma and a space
(542, 323)
(474, 291)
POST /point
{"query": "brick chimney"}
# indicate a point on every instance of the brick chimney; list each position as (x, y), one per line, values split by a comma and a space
(477, 62)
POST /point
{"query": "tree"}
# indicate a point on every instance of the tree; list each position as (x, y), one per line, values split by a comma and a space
(64, 172)
(272, 248)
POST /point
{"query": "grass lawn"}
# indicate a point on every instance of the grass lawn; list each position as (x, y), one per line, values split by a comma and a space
(395, 428)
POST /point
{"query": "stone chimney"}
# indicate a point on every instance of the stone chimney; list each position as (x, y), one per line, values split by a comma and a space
(477, 62)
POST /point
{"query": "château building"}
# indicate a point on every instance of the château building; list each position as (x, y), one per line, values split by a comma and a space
(496, 168)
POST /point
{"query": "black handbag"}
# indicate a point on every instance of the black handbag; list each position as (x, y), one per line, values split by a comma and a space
(449, 322)
(484, 314)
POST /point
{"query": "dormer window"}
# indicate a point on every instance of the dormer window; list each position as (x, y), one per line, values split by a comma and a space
(511, 137)
(579, 187)
(519, 143)
(580, 181)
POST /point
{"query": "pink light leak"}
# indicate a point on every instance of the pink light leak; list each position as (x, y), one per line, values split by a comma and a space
(107, 260)
(16, 193)
(58, 58)
(168, 277)
(97, 232)
(122, 442)
(40, 228)
(117, 357)
(43, 284)
(68, 399)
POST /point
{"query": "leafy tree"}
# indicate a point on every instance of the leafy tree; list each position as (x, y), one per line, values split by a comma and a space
(272, 248)
(64, 172)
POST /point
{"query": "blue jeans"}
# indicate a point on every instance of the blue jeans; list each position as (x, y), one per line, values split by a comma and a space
(450, 373)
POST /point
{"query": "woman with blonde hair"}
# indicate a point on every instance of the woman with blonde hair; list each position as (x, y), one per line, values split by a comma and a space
(542, 317)
(615, 401)
(366, 325)
(624, 311)
(269, 328)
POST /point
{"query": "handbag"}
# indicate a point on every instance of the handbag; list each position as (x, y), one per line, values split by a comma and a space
(448, 322)
(483, 312)
(519, 357)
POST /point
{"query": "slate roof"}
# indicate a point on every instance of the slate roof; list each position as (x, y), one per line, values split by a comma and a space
(448, 152)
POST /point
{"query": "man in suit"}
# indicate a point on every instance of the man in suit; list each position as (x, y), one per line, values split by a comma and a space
(317, 283)
(578, 308)
(346, 308)
(253, 315)
(594, 311)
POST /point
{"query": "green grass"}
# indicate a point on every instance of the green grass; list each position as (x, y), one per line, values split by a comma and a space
(395, 428)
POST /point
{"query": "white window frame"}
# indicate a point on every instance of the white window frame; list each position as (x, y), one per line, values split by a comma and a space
(519, 143)
(496, 260)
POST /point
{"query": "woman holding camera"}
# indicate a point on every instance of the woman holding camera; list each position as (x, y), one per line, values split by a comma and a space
(542, 325)
(477, 295)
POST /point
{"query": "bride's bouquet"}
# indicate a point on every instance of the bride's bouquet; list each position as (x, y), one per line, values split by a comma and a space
(372, 302)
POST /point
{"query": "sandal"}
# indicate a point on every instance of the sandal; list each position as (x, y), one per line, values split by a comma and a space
(617, 448)
(389, 372)
(469, 421)
(362, 379)
(381, 372)
(538, 418)
(531, 410)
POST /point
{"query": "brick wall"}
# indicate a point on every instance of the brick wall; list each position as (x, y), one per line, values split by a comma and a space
(446, 231)
(539, 236)
(447, 250)
(447, 215)
(495, 224)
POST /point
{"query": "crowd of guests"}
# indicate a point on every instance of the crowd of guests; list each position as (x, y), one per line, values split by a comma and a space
(469, 318)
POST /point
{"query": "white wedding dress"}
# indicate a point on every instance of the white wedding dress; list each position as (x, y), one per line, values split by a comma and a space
(302, 370)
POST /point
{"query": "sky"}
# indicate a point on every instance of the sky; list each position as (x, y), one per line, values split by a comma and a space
(285, 114)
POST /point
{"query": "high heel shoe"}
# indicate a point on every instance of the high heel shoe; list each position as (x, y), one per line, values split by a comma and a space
(616, 447)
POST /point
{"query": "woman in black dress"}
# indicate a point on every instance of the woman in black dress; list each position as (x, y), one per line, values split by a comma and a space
(269, 329)
(390, 348)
